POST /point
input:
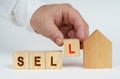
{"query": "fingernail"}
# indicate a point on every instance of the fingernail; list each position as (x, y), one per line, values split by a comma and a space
(59, 42)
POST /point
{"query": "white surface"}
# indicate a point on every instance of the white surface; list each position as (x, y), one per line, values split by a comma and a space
(103, 15)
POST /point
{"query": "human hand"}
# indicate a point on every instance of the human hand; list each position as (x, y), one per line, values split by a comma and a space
(59, 21)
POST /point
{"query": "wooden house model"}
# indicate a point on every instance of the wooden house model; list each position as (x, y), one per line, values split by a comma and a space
(97, 51)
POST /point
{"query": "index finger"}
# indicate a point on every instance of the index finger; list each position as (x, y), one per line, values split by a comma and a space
(73, 17)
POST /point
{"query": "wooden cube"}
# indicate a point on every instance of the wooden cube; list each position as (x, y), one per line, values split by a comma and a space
(37, 60)
(71, 47)
(53, 59)
(21, 60)
(97, 51)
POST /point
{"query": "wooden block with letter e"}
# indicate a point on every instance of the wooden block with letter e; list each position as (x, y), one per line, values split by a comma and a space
(71, 47)
(53, 59)
(21, 60)
(37, 59)
(97, 51)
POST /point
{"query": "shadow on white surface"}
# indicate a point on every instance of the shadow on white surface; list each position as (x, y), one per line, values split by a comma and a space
(79, 65)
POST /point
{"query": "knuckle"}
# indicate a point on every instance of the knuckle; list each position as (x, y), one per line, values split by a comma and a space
(67, 5)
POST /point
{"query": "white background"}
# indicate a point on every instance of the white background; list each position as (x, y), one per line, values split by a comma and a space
(103, 15)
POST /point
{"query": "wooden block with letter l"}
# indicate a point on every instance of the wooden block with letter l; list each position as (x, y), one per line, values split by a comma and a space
(97, 51)
(54, 59)
(37, 59)
(71, 47)
(21, 60)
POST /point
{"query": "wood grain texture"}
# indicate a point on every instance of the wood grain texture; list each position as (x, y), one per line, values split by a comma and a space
(71, 47)
(21, 60)
(97, 51)
(53, 59)
(37, 59)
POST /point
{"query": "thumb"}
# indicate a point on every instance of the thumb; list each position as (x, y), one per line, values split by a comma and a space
(55, 34)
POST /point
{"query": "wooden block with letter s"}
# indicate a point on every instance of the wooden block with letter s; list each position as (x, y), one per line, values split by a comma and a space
(21, 60)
